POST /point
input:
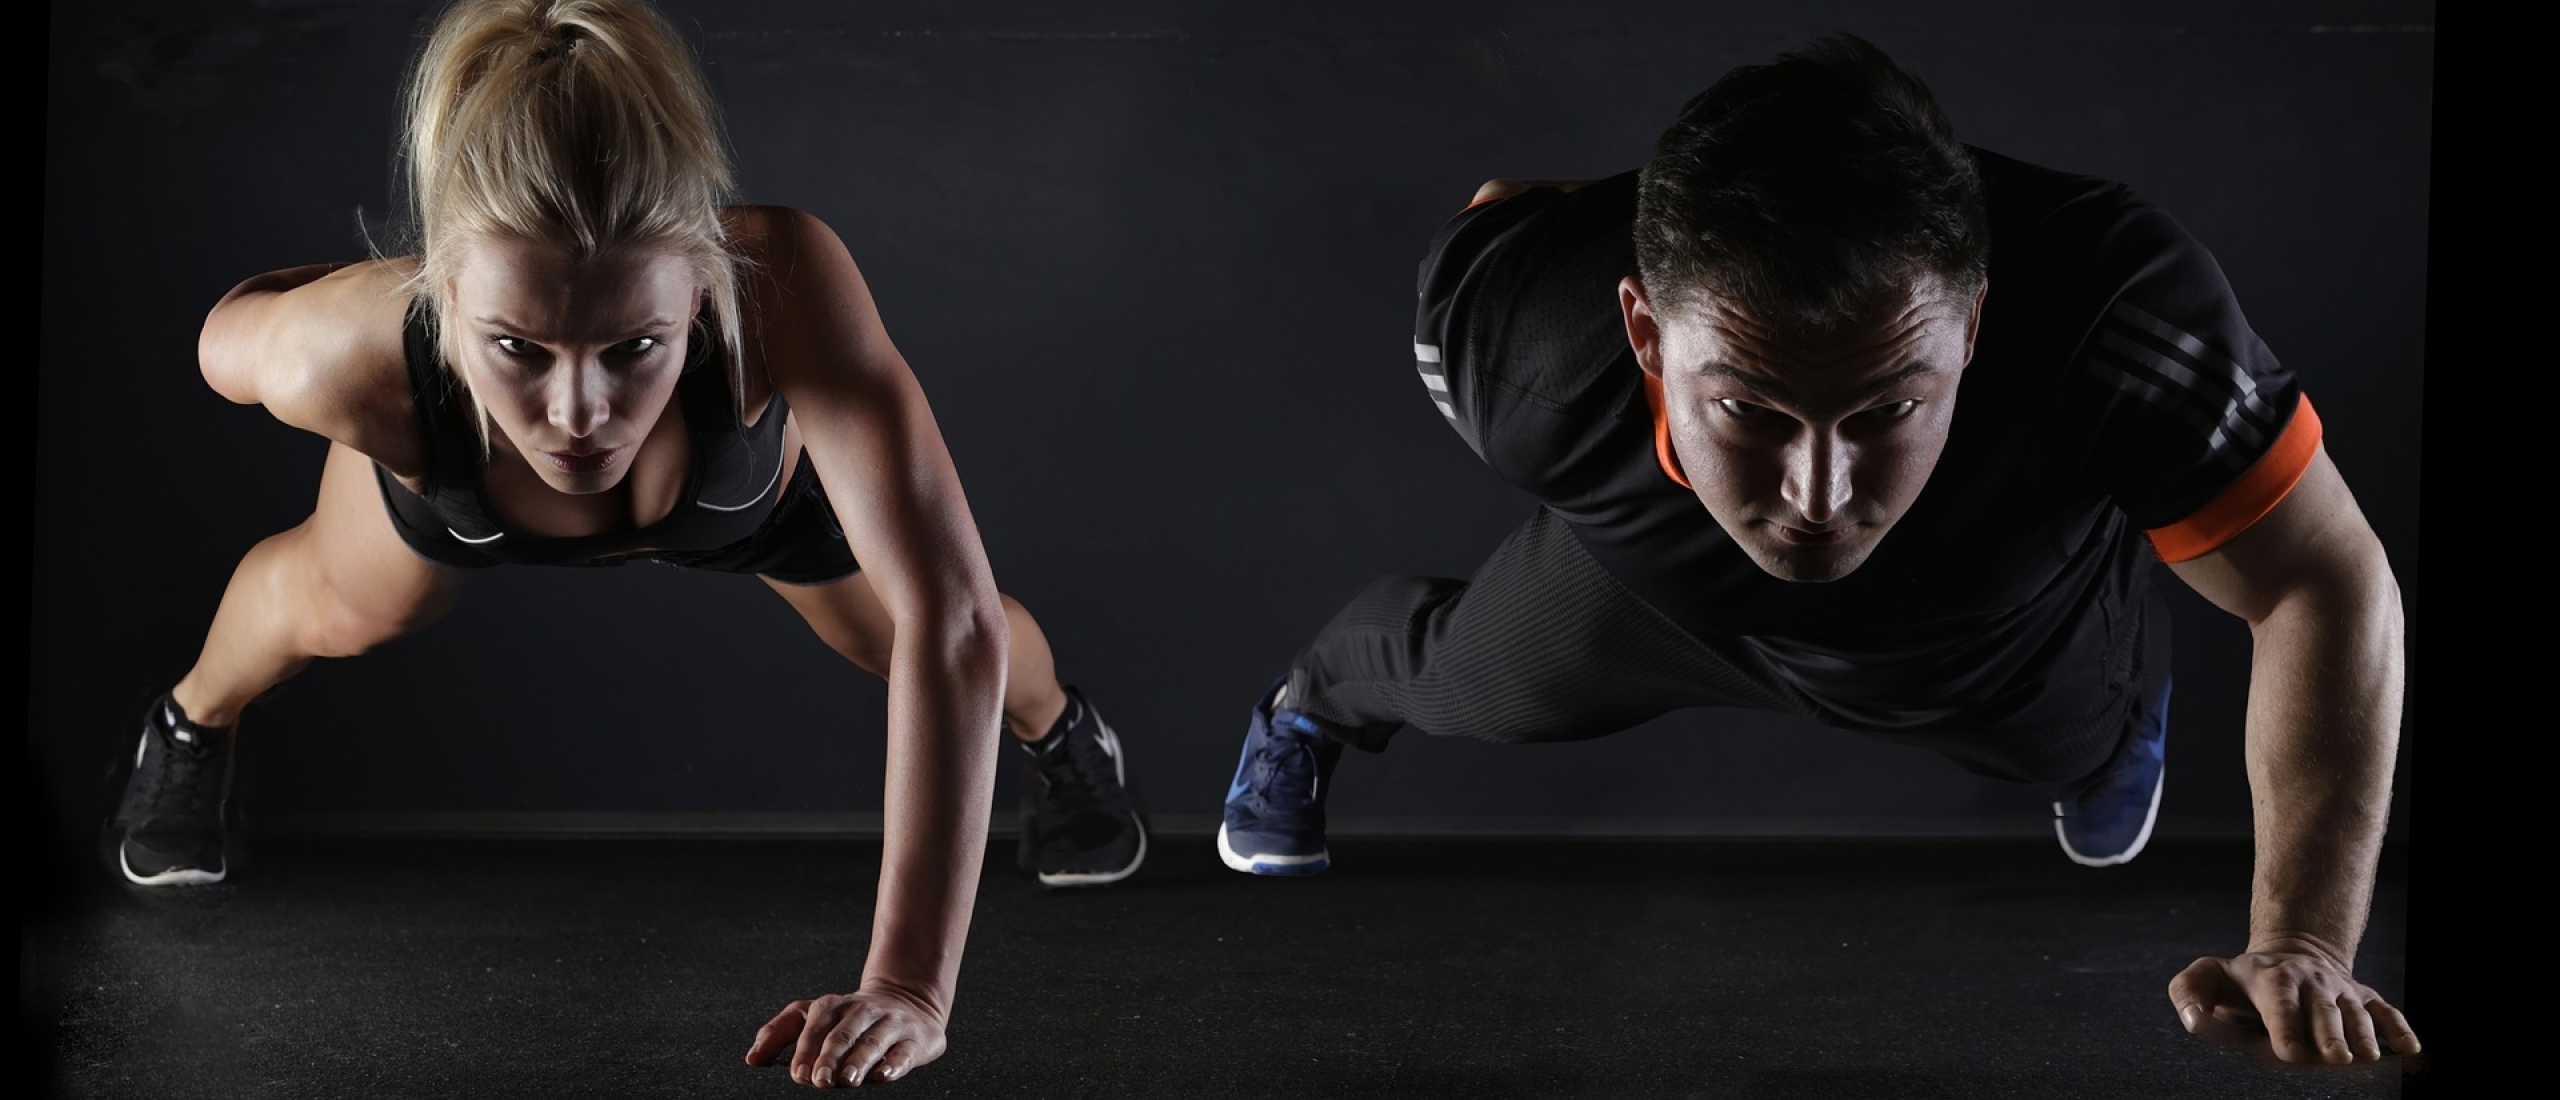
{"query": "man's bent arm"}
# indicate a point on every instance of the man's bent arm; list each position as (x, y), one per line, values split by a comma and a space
(2323, 730)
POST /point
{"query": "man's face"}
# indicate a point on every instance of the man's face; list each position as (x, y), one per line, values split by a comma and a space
(1806, 449)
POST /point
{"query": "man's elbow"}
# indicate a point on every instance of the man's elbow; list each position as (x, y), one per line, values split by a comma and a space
(2353, 595)
(2364, 586)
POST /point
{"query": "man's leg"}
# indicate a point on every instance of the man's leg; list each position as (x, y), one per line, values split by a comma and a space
(2106, 818)
(1542, 645)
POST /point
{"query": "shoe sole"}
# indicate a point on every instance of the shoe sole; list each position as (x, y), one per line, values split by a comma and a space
(1263, 863)
(176, 876)
(1120, 775)
(2142, 838)
(1100, 878)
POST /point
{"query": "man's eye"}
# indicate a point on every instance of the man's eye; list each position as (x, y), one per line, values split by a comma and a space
(1897, 411)
(1740, 410)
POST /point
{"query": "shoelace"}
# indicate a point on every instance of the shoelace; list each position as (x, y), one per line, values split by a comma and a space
(1280, 758)
(1064, 780)
(178, 790)
(2112, 811)
(1090, 762)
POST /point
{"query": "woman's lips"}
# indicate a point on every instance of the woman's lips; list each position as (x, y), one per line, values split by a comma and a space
(582, 462)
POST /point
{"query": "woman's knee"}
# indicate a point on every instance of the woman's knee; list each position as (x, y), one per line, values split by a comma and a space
(339, 627)
(847, 616)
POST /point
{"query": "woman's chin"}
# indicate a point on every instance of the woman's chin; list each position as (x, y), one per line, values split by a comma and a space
(581, 474)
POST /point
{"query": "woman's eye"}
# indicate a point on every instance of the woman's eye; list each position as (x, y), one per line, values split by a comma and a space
(640, 344)
(512, 345)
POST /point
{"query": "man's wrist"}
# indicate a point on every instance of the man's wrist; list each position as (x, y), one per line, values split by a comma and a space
(2325, 949)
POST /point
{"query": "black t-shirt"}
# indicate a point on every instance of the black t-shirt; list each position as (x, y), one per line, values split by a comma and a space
(2115, 388)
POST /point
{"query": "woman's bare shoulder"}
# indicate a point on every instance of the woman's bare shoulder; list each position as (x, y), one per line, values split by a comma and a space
(787, 247)
(316, 316)
(323, 348)
(811, 319)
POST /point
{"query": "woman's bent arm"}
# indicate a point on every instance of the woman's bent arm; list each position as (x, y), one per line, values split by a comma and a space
(320, 347)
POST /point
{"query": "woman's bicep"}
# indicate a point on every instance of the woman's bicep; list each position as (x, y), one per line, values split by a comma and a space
(880, 453)
(867, 425)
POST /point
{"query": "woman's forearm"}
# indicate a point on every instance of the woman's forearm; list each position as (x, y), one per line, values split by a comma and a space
(946, 690)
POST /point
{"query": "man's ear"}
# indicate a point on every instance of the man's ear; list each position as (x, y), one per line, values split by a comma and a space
(1973, 328)
(1644, 332)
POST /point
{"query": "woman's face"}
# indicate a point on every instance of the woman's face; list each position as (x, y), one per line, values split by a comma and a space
(574, 360)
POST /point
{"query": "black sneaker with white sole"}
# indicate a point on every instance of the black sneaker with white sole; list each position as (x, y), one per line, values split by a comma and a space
(1079, 827)
(169, 826)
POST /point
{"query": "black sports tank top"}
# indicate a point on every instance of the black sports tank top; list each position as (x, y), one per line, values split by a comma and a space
(728, 491)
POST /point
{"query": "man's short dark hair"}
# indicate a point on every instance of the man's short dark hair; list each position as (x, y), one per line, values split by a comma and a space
(1810, 191)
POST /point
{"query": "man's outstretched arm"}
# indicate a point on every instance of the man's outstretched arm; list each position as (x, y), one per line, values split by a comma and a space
(2323, 730)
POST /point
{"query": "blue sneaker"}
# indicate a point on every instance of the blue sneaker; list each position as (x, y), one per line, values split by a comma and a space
(2109, 820)
(1275, 808)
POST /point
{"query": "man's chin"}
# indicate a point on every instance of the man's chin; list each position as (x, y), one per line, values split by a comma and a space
(1810, 564)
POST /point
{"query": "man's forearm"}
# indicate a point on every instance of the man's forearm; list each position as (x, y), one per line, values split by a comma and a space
(2323, 733)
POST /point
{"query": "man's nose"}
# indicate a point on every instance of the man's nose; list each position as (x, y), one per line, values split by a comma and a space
(1817, 477)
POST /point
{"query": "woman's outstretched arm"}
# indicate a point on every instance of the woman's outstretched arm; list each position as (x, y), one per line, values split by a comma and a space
(877, 451)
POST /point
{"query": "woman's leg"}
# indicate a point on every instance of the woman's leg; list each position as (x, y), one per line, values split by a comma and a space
(848, 617)
(335, 585)
(1078, 825)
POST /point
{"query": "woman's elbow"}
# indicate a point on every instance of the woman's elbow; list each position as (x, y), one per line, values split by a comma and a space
(223, 355)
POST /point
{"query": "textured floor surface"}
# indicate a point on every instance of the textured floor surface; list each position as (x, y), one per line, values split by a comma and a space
(542, 968)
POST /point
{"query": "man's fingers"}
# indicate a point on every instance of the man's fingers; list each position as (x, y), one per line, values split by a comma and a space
(2310, 1010)
(2360, 1037)
(776, 1032)
(2325, 1030)
(2280, 1012)
(2197, 990)
(2239, 1013)
(2393, 1026)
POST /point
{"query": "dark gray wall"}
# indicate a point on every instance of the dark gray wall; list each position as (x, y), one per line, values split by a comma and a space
(1153, 263)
